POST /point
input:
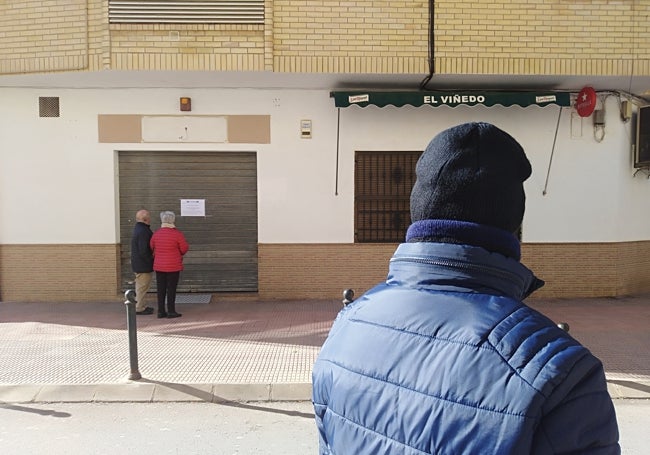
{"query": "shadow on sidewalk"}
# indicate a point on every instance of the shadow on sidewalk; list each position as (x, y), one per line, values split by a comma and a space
(300, 322)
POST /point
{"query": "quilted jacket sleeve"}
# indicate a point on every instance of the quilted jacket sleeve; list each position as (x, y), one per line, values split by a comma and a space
(579, 417)
(183, 246)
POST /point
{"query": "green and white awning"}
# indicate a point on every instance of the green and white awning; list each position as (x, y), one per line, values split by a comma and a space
(450, 98)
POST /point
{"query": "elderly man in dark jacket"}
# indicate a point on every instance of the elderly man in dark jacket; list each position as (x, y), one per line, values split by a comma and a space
(444, 358)
(142, 260)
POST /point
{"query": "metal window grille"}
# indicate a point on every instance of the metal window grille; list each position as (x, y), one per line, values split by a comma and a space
(48, 106)
(383, 182)
(186, 12)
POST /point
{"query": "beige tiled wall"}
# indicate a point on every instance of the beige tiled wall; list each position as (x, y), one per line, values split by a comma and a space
(75, 273)
(90, 272)
(570, 270)
(590, 269)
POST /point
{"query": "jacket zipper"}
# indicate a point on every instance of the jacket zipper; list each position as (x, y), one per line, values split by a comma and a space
(464, 266)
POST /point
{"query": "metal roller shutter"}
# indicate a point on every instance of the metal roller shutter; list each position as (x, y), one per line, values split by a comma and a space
(223, 243)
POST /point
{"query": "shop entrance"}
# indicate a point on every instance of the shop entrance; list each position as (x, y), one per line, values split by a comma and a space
(218, 193)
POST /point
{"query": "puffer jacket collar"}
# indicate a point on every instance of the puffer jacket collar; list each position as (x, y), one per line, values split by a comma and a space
(460, 267)
(465, 233)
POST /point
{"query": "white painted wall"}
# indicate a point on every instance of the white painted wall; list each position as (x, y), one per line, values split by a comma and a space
(59, 185)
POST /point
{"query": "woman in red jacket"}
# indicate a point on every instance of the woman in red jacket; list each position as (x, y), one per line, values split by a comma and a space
(168, 245)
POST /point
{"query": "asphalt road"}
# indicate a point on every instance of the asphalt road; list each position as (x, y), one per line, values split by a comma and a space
(202, 428)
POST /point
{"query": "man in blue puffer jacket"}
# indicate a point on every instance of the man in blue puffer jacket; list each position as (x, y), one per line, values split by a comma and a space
(444, 358)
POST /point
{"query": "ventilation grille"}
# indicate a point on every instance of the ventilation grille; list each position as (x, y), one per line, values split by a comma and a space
(48, 106)
(186, 12)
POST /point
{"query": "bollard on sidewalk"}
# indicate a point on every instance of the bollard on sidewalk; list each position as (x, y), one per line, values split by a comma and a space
(133, 336)
(348, 297)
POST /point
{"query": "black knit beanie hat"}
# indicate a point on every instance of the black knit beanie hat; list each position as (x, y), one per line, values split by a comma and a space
(472, 172)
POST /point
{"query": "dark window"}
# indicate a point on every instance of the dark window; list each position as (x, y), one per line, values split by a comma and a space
(383, 182)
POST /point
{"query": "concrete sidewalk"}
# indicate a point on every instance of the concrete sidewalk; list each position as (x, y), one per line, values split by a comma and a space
(234, 349)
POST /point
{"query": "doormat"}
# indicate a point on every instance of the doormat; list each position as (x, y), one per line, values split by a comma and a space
(193, 298)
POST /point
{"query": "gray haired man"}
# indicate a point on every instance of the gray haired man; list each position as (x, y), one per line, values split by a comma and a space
(142, 260)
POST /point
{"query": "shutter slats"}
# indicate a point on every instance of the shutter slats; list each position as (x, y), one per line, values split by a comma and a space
(223, 244)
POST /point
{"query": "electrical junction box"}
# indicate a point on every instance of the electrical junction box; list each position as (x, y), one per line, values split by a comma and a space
(626, 110)
(599, 117)
(305, 129)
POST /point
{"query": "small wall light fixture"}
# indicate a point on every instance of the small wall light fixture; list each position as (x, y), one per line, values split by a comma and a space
(186, 104)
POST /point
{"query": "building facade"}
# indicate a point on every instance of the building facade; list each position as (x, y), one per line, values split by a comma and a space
(229, 116)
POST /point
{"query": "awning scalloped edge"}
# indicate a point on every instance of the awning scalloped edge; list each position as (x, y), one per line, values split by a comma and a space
(417, 98)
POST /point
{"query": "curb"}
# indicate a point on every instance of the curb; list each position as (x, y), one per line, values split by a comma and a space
(628, 389)
(150, 392)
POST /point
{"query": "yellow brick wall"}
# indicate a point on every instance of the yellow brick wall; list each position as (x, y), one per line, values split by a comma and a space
(99, 39)
(587, 37)
(521, 37)
(91, 272)
(43, 36)
(190, 47)
(363, 36)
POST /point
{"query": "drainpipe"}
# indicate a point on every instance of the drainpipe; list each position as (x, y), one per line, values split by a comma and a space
(432, 63)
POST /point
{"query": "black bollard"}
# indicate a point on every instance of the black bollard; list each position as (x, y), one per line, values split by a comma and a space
(133, 336)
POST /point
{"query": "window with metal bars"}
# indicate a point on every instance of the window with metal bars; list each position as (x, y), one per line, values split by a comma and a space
(186, 12)
(383, 182)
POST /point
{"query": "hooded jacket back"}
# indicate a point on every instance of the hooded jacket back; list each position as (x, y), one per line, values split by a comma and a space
(444, 358)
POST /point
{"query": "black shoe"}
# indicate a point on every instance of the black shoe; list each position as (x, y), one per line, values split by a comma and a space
(174, 315)
(162, 315)
(147, 310)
